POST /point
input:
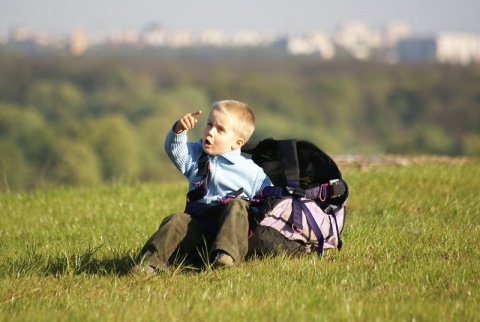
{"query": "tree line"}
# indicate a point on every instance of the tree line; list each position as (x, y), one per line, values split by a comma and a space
(103, 117)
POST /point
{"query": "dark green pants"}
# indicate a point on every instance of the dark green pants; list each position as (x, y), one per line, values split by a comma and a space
(182, 236)
(267, 241)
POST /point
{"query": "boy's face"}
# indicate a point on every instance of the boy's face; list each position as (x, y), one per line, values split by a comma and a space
(219, 135)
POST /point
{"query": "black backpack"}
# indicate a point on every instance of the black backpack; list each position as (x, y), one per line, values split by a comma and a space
(307, 203)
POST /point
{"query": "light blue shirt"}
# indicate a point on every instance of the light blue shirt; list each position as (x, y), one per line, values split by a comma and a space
(229, 171)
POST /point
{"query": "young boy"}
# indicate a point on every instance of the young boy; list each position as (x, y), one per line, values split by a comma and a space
(209, 219)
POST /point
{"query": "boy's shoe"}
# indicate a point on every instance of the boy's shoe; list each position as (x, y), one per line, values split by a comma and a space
(223, 260)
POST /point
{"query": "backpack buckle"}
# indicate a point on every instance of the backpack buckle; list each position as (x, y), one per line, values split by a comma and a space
(296, 192)
(337, 188)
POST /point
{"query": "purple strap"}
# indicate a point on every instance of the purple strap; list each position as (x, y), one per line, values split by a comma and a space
(297, 224)
(314, 226)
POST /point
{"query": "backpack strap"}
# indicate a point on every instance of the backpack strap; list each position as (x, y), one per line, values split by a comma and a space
(315, 228)
(287, 153)
(331, 212)
(202, 189)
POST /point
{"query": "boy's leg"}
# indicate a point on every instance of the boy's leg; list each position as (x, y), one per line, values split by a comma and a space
(176, 232)
(232, 236)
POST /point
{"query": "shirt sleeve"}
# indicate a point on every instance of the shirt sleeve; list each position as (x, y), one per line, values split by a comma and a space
(262, 181)
(182, 153)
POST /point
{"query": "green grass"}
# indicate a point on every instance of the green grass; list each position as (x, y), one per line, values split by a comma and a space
(411, 253)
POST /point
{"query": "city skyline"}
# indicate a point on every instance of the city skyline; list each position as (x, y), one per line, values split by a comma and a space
(58, 16)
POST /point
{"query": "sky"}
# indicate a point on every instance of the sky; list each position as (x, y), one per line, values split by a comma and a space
(282, 16)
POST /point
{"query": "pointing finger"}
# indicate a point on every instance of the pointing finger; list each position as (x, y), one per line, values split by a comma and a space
(196, 114)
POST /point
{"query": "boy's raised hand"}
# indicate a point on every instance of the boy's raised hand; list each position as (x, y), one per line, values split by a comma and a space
(187, 122)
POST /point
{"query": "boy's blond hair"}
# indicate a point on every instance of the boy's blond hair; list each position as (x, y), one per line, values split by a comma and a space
(243, 114)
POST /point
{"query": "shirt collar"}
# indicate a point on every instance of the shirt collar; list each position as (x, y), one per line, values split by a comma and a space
(231, 156)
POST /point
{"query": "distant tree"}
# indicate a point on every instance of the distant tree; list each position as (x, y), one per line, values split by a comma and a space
(433, 139)
(55, 100)
(421, 139)
(154, 162)
(74, 162)
(174, 103)
(340, 108)
(27, 130)
(127, 92)
(115, 107)
(116, 144)
(13, 169)
(470, 145)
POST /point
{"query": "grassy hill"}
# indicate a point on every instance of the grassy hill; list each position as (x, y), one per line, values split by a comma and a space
(411, 252)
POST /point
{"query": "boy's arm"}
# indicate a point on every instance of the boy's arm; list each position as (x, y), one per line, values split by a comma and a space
(266, 182)
(176, 146)
(261, 181)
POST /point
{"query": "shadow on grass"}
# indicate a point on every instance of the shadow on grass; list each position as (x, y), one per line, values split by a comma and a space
(120, 265)
(95, 261)
(87, 264)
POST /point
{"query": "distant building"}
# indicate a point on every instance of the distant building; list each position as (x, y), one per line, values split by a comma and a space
(20, 34)
(357, 38)
(458, 48)
(125, 37)
(417, 50)
(78, 42)
(452, 48)
(315, 43)
(247, 38)
(179, 39)
(154, 35)
(34, 41)
(395, 31)
(213, 37)
(393, 43)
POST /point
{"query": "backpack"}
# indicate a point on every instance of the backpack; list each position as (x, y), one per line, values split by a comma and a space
(307, 203)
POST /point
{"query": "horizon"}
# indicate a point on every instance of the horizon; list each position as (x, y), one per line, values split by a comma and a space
(57, 16)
